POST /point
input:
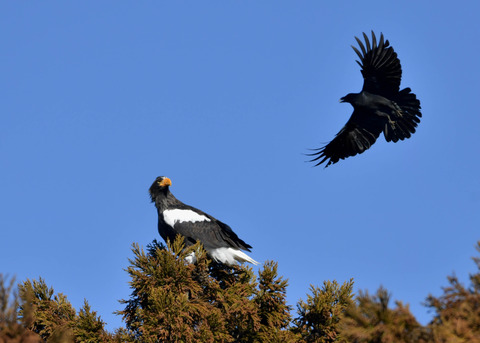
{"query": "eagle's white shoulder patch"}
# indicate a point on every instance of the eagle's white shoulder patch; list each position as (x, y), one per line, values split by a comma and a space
(180, 216)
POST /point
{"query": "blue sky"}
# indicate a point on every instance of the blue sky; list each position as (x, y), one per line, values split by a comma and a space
(225, 98)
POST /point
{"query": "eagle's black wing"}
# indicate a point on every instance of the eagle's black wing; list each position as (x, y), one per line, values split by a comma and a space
(210, 231)
(380, 65)
(358, 134)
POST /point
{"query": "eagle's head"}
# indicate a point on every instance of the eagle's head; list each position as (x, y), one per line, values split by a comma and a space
(159, 186)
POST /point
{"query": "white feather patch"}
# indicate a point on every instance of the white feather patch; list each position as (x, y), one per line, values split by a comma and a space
(180, 216)
(230, 255)
(191, 258)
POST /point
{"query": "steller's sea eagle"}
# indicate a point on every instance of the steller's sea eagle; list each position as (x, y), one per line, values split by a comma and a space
(176, 218)
(380, 106)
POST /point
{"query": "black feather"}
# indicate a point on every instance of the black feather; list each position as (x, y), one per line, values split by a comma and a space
(380, 107)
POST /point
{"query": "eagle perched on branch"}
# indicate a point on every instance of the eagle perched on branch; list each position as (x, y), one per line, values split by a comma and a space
(380, 106)
(176, 218)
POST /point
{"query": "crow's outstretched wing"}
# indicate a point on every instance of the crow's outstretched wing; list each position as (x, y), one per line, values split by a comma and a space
(358, 134)
(380, 65)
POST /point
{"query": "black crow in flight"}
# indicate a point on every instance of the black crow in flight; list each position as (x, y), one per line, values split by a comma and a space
(176, 218)
(380, 106)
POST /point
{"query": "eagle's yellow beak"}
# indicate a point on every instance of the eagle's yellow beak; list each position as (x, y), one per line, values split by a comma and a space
(165, 182)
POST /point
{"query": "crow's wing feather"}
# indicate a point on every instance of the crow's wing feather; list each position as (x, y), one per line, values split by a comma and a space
(380, 65)
(358, 134)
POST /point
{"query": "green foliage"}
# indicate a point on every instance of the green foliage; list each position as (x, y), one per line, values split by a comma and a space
(54, 319)
(371, 320)
(206, 301)
(173, 301)
(166, 302)
(319, 317)
(89, 327)
(8, 302)
(53, 315)
(457, 310)
(11, 329)
(273, 311)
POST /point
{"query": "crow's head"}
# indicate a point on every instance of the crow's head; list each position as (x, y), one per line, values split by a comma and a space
(350, 97)
(159, 186)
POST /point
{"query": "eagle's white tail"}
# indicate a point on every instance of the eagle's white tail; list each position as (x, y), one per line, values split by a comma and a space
(230, 255)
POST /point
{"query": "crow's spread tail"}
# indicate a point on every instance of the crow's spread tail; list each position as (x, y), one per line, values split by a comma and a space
(405, 119)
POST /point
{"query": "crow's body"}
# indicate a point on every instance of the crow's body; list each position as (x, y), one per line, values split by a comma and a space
(380, 107)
